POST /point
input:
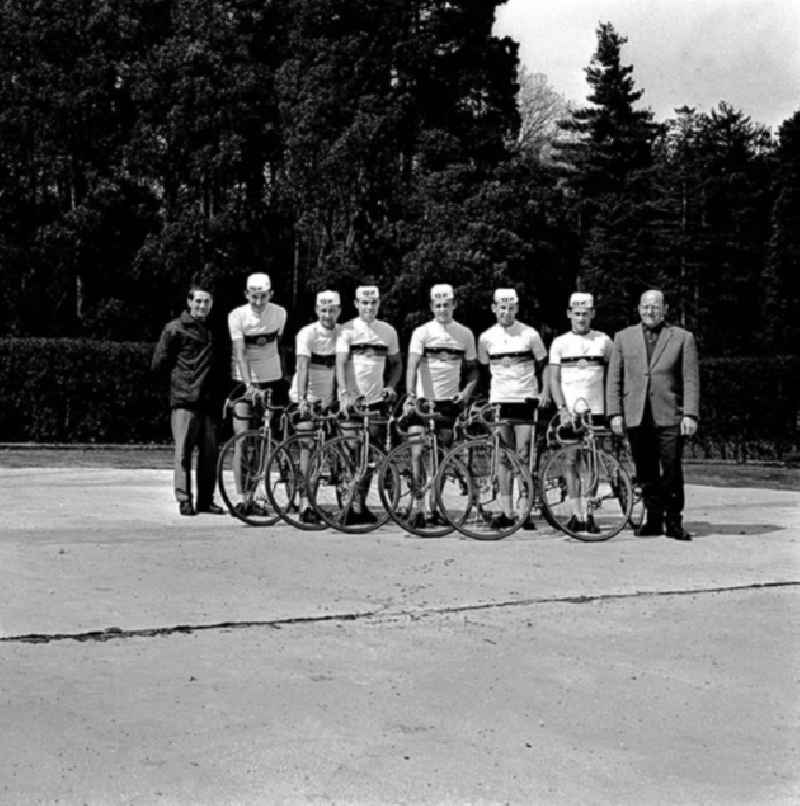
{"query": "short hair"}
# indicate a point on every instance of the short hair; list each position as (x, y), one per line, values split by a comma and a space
(199, 285)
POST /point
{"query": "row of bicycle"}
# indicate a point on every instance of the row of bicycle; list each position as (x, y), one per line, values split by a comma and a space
(355, 471)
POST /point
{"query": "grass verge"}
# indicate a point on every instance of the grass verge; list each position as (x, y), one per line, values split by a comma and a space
(713, 474)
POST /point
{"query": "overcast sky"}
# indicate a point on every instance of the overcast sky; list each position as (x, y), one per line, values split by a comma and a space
(693, 52)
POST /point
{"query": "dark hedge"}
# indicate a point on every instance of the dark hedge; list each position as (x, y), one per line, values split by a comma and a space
(78, 390)
(749, 407)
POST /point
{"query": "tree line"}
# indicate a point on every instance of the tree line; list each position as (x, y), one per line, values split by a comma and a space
(147, 143)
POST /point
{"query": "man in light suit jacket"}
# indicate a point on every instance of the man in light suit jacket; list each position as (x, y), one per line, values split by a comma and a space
(653, 386)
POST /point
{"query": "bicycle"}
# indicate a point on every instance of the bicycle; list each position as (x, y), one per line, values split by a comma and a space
(243, 461)
(585, 490)
(286, 464)
(342, 488)
(482, 457)
(406, 478)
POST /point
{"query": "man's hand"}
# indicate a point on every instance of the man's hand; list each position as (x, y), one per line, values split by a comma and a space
(616, 425)
(688, 427)
(565, 417)
(462, 397)
(303, 407)
(389, 394)
(346, 401)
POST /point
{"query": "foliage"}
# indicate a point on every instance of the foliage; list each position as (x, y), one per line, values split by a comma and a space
(146, 142)
(746, 402)
(78, 390)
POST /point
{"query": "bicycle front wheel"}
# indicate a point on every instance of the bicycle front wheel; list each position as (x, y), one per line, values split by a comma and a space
(586, 493)
(407, 490)
(343, 487)
(288, 493)
(243, 480)
(484, 489)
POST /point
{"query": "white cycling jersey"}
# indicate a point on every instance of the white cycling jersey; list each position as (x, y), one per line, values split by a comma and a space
(442, 350)
(318, 344)
(583, 359)
(260, 334)
(367, 344)
(511, 353)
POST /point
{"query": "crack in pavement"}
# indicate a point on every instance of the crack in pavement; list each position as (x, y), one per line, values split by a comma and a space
(113, 633)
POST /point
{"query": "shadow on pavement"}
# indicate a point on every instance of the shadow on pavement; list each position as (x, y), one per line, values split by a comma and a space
(706, 528)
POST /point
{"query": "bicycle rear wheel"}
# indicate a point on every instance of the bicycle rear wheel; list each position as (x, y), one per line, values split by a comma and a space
(243, 480)
(586, 492)
(288, 492)
(476, 508)
(408, 493)
(343, 487)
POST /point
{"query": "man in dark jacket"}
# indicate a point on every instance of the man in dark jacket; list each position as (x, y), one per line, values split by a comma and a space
(189, 350)
(653, 390)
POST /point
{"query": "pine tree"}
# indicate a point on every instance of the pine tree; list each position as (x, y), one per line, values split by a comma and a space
(607, 159)
(781, 282)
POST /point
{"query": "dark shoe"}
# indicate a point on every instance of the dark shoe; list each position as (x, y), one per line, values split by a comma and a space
(417, 521)
(244, 510)
(501, 521)
(186, 508)
(366, 516)
(676, 531)
(650, 528)
(436, 520)
(591, 526)
(530, 524)
(309, 516)
(351, 518)
(211, 509)
(575, 524)
(259, 509)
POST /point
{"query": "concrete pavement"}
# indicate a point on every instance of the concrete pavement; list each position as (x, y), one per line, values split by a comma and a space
(240, 665)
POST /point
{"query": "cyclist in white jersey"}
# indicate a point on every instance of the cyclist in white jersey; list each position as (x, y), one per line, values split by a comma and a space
(366, 350)
(578, 365)
(255, 330)
(439, 353)
(314, 379)
(515, 357)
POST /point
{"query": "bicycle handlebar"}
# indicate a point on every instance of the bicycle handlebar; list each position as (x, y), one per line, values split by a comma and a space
(493, 409)
(260, 397)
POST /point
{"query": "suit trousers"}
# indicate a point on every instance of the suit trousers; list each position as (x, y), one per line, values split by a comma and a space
(657, 453)
(190, 429)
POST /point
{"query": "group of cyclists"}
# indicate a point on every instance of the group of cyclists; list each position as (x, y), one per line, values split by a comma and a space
(360, 361)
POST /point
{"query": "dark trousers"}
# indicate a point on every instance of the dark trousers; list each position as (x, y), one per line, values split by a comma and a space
(657, 453)
(192, 429)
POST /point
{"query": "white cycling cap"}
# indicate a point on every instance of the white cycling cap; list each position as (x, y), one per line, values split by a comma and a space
(442, 291)
(367, 293)
(258, 282)
(505, 295)
(581, 301)
(328, 298)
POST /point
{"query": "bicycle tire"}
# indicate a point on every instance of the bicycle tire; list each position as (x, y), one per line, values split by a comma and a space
(412, 502)
(608, 498)
(472, 517)
(336, 481)
(285, 492)
(246, 499)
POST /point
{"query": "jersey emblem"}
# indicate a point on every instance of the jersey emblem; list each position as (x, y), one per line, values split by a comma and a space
(583, 363)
